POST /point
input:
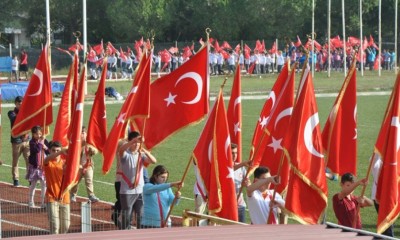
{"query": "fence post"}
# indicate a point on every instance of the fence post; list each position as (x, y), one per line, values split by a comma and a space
(86, 217)
(1, 220)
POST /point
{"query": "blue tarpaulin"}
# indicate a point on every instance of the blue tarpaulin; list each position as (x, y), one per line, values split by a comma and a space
(9, 91)
(5, 64)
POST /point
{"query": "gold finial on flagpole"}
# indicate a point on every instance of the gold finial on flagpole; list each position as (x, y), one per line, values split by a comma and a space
(208, 31)
(77, 35)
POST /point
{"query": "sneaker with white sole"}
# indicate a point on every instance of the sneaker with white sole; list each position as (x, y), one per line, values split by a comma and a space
(93, 199)
(73, 198)
(31, 205)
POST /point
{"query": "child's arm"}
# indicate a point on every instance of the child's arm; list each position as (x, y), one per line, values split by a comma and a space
(260, 182)
(365, 202)
(347, 191)
(150, 159)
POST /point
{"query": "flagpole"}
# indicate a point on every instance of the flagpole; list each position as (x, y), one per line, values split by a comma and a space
(85, 38)
(380, 38)
(312, 39)
(178, 188)
(361, 42)
(395, 36)
(329, 38)
(344, 40)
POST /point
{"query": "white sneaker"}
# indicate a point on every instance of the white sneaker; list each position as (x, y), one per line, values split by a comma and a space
(93, 199)
(73, 198)
(31, 205)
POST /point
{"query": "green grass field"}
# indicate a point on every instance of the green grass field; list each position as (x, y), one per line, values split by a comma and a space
(176, 151)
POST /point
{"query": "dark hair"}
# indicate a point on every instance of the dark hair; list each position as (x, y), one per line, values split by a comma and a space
(36, 129)
(234, 145)
(260, 171)
(18, 99)
(347, 177)
(55, 144)
(133, 135)
(157, 171)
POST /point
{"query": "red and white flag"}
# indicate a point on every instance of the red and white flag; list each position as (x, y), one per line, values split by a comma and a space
(306, 198)
(181, 99)
(111, 49)
(298, 42)
(136, 104)
(64, 117)
(387, 151)
(213, 157)
(234, 113)
(75, 146)
(339, 137)
(225, 45)
(99, 48)
(37, 106)
(371, 43)
(97, 129)
(76, 47)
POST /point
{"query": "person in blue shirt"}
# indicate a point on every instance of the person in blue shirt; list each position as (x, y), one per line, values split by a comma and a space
(157, 198)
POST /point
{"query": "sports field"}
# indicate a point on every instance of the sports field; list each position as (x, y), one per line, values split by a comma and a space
(175, 152)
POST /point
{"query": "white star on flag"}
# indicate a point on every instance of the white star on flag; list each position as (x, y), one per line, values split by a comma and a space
(276, 144)
(231, 173)
(263, 122)
(170, 99)
(121, 118)
(237, 128)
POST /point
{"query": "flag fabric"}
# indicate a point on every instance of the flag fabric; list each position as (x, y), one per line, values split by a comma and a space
(273, 48)
(258, 47)
(70, 176)
(339, 137)
(259, 134)
(213, 158)
(237, 49)
(336, 42)
(64, 51)
(298, 42)
(371, 42)
(99, 48)
(181, 100)
(173, 50)
(216, 46)
(76, 47)
(353, 41)
(276, 132)
(247, 51)
(387, 150)
(122, 54)
(37, 106)
(165, 58)
(234, 113)
(263, 46)
(64, 117)
(187, 52)
(136, 105)
(111, 49)
(225, 45)
(97, 127)
(306, 198)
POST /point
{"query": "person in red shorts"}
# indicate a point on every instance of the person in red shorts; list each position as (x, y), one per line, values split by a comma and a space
(345, 203)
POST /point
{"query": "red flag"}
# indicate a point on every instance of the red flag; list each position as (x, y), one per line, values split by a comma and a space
(75, 146)
(353, 41)
(266, 111)
(99, 48)
(387, 150)
(336, 42)
(37, 106)
(97, 129)
(273, 49)
(136, 104)
(181, 99)
(247, 51)
(187, 52)
(76, 47)
(306, 198)
(173, 50)
(216, 46)
(64, 117)
(276, 129)
(122, 54)
(371, 42)
(234, 113)
(365, 44)
(225, 55)
(165, 58)
(258, 47)
(226, 45)
(213, 157)
(237, 49)
(147, 44)
(64, 51)
(139, 52)
(298, 43)
(339, 137)
(263, 46)
(110, 48)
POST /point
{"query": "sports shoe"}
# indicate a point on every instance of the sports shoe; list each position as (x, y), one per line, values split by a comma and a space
(73, 198)
(43, 206)
(93, 199)
(16, 183)
(31, 205)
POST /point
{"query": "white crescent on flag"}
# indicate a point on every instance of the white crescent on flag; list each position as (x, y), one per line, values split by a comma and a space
(199, 82)
(38, 74)
(311, 123)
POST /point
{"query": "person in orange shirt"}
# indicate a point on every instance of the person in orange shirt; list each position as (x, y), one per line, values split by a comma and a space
(58, 209)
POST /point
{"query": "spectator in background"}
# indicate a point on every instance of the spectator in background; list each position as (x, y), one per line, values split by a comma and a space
(58, 209)
(19, 144)
(24, 63)
(280, 61)
(14, 68)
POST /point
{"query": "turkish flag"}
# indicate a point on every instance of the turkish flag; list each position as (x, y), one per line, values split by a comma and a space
(353, 41)
(271, 149)
(263, 46)
(306, 198)
(37, 106)
(137, 46)
(234, 113)
(339, 137)
(97, 129)
(75, 146)
(247, 51)
(110, 48)
(64, 117)
(225, 55)
(99, 48)
(136, 105)
(76, 47)
(181, 99)
(273, 48)
(258, 47)
(216, 46)
(187, 52)
(122, 54)
(387, 149)
(226, 45)
(336, 42)
(173, 50)
(298, 42)
(259, 135)
(371, 42)
(213, 157)
(237, 49)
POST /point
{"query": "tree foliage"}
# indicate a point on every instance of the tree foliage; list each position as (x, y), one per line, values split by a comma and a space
(186, 20)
